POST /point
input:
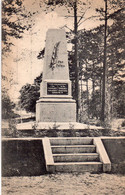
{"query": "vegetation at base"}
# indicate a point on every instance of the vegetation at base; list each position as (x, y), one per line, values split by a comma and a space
(88, 132)
(7, 107)
(123, 124)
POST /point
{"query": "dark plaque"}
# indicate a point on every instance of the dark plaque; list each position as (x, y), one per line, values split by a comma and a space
(57, 88)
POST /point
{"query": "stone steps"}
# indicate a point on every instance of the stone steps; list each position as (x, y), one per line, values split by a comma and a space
(79, 167)
(73, 141)
(73, 149)
(75, 155)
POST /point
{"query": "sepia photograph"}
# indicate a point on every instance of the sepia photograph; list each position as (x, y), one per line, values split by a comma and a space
(63, 97)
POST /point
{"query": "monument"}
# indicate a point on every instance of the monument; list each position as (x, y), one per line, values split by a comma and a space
(55, 103)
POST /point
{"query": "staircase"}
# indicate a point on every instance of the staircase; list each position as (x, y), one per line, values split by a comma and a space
(75, 155)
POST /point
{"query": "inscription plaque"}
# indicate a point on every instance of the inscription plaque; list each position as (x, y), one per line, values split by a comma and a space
(57, 88)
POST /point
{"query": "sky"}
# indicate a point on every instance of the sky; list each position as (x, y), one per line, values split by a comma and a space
(22, 65)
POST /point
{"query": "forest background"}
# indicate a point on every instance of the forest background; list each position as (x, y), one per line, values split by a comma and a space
(96, 50)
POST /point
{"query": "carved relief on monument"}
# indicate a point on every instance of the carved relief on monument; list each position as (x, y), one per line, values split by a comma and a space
(55, 62)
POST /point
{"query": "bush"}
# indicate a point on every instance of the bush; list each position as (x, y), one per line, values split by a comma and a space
(123, 124)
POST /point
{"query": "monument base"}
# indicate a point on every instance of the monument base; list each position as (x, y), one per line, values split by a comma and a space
(55, 110)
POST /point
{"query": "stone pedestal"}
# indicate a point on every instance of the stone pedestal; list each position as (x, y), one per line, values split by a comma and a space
(55, 103)
(56, 111)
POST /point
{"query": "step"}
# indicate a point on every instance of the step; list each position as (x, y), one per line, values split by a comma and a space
(73, 149)
(76, 167)
(71, 141)
(76, 157)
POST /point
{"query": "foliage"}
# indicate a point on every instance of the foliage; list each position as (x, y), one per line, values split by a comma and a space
(123, 124)
(7, 107)
(116, 45)
(91, 60)
(119, 99)
(38, 79)
(29, 95)
(11, 131)
(14, 22)
(95, 105)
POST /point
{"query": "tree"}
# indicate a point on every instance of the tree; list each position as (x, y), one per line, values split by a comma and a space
(119, 98)
(13, 23)
(117, 7)
(90, 53)
(90, 69)
(95, 105)
(116, 53)
(29, 94)
(103, 114)
(7, 107)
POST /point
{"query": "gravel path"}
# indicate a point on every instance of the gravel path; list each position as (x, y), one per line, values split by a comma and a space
(65, 184)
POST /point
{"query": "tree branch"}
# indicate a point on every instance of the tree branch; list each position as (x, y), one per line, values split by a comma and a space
(87, 19)
(82, 16)
(68, 28)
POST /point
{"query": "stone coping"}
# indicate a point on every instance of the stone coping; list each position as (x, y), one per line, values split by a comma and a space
(103, 154)
(34, 138)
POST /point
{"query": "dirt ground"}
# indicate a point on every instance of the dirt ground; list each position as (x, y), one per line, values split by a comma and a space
(65, 184)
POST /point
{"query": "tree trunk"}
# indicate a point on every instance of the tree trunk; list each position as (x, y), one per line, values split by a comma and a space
(104, 67)
(100, 90)
(93, 80)
(76, 62)
(87, 89)
(113, 112)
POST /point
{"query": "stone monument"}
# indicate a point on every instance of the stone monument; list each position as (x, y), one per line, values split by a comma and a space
(55, 103)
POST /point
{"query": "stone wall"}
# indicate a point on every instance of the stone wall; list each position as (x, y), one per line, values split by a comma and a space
(115, 148)
(22, 157)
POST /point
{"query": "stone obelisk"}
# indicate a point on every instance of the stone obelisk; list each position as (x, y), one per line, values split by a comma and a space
(55, 103)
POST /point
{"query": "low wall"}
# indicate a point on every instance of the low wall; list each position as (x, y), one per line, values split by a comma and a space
(25, 156)
(115, 147)
(22, 157)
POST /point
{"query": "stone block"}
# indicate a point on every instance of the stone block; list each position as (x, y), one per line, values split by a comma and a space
(56, 111)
